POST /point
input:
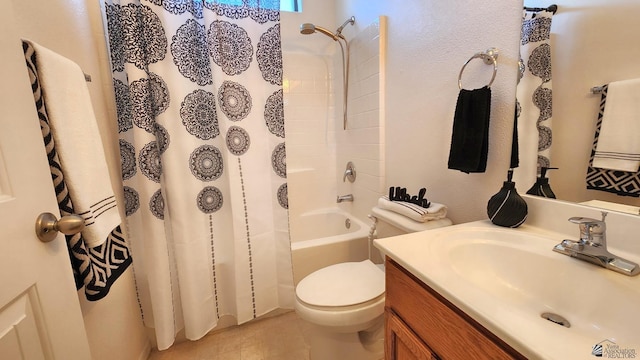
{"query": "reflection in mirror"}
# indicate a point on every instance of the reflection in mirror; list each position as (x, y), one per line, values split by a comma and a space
(591, 43)
(534, 99)
(291, 5)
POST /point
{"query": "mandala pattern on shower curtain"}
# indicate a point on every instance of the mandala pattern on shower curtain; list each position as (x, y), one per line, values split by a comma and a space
(261, 14)
(534, 94)
(198, 86)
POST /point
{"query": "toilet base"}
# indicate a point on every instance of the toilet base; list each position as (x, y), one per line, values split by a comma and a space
(329, 344)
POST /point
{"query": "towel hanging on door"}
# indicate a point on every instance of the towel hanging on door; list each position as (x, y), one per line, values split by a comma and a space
(94, 268)
(470, 137)
(78, 143)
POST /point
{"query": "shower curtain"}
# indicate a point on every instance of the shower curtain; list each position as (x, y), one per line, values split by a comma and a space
(198, 88)
(533, 103)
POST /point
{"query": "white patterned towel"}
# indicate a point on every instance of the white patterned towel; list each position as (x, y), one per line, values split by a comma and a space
(414, 212)
(75, 131)
(618, 145)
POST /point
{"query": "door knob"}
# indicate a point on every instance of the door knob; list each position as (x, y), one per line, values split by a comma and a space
(47, 226)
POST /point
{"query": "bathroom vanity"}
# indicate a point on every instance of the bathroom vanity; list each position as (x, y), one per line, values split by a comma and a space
(421, 324)
(480, 291)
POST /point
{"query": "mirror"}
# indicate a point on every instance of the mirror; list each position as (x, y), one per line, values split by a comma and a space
(593, 42)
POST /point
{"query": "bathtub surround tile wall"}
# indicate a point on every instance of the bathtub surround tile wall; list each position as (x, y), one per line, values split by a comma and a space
(309, 107)
(363, 140)
(309, 119)
(318, 149)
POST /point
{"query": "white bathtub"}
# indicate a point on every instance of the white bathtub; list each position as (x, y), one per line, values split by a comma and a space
(320, 238)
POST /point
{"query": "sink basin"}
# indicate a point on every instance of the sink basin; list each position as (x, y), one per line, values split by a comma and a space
(506, 278)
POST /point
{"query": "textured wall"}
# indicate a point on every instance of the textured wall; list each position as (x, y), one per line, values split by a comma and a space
(428, 42)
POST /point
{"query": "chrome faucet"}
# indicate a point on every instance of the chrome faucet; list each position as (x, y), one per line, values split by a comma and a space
(349, 173)
(592, 246)
(342, 198)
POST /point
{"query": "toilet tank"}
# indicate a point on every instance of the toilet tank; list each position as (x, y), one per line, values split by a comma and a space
(391, 224)
(385, 229)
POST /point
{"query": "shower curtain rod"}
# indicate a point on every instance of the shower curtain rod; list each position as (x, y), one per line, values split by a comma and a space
(552, 8)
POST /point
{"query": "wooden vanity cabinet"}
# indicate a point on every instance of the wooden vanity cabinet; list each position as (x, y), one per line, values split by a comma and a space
(421, 324)
(402, 343)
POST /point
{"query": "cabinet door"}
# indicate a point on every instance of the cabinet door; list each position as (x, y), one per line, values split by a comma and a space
(402, 343)
(447, 330)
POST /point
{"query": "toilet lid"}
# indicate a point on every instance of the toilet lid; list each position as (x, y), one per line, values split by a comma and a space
(342, 284)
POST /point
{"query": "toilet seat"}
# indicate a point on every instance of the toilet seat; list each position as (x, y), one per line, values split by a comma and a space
(343, 284)
(348, 295)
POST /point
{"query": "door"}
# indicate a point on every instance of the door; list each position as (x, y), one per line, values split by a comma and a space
(40, 314)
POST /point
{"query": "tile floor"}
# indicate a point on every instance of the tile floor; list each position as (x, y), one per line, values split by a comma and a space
(274, 338)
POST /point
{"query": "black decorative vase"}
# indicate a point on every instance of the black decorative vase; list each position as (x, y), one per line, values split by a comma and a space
(542, 187)
(507, 208)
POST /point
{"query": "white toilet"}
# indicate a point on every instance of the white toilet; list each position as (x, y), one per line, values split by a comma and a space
(343, 304)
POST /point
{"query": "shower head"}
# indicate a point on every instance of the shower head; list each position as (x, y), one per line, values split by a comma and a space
(308, 28)
(351, 21)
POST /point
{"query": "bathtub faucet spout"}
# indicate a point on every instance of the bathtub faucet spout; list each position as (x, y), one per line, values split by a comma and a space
(342, 198)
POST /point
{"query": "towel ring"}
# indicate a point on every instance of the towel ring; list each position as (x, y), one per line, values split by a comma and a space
(489, 57)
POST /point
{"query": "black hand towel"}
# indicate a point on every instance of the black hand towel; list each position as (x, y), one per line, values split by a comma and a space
(470, 138)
